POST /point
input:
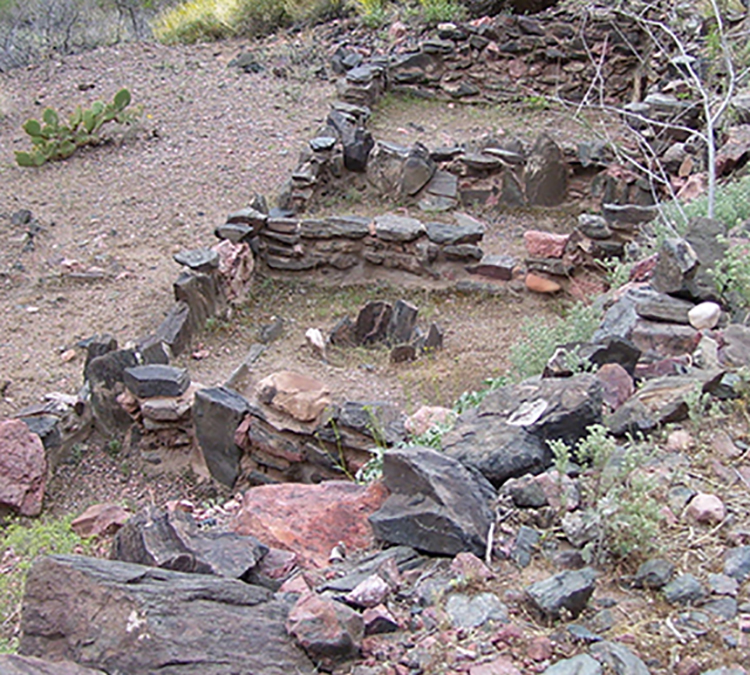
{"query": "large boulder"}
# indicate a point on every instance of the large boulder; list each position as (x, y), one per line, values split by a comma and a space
(13, 664)
(125, 618)
(310, 520)
(506, 435)
(23, 469)
(436, 504)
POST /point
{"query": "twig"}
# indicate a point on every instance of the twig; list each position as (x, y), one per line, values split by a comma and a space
(490, 537)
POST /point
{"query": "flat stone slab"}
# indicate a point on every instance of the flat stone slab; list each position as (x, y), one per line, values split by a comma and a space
(494, 267)
(156, 380)
(390, 227)
(199, 259)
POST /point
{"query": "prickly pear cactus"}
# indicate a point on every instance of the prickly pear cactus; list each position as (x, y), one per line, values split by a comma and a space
(52, 140)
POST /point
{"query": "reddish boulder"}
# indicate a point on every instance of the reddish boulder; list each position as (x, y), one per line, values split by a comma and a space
(23, 468)
(617, 385)
(100, 519)
(329, 631)
(540, 284)
(310, 520)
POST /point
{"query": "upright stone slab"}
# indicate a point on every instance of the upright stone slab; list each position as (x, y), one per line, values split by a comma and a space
(23, 469)
(125, 618)
(104, 376)
(546, 174)
(567, 592)
(217, 413)
(402, 323)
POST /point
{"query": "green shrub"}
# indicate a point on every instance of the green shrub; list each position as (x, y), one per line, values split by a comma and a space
(529, 356)
(732, 275)
(53, 140)
(21, 544)
(374, 13)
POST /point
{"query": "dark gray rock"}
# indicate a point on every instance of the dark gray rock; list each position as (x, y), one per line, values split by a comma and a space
(527, 539)
(202, 260)
(675, 266)
(176, 329)
(202, 293)
(433, 341)
(724, 608)
(404, 557)
(546, 174)
(403, 353)
(723, 584)
(452, 234)
(706, 237)
(13, 664)
(156, 380)
(684, 590)
(663, 307)
(618, 658)
(418, 170)
(582, 664)
(402, 323)
(436, 504)
(376, 422)
(463, 252)
(125, 618)
(467, 612)
(373, 321)
(594, 227)
(390, 227)
(569, 357)
(217, 412)
(506, 436)
(629, 214)
(104, 376)
(494, 267)
(654, 573)
(255, 215)
(172, 540)
(348, 227)
(565, 593)
(357, 149)
(737, 563)
(47, 427)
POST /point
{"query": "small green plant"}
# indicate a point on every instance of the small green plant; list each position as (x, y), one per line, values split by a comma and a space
(617, 499)
(536, 102)
(617, 271)
(22, 543)
(113, 447)
(732, 274)
(373, 13)
(438, 11)
(372, 470)
(54, 140)
(539, 341)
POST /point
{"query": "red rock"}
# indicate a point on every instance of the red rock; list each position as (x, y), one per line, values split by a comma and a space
(642, 270)
(545, 244)
(297, 584)
(724, 445)
(310, 520)
(470, 568)
(302, 397)
(327, 630)
(539, 648)
(540, 284)
(617, 385)
(706, 508)
(277, 564)
(502, 665)
(426, 417)
(586, 287)
(100, 520)
(688, 666)
(23, 468)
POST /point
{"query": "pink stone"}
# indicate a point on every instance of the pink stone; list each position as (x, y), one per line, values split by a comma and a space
(706, 508)
(100, 520)
(369, 592)
(642, 270)
(724, 445)
(296, 584)
(467, 566)
(426, 417)
(499, 666)
(310, 520)
(545, 244)
(23, 468)
(617, 385)
(540, 648)
(539, 284)
(379, 620)
(680, 441)
(300, 396)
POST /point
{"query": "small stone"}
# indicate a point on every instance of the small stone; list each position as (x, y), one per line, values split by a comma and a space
(379, 620)
(467, 567)
(470, 612)
(545, 244)
(540, 648)
(704, 316)
(502, 665)
(100, 520)
(737, 563)
(370, 592)
(494, 267)
(539, 284)
(156, 380)
(722, 584)
(654, 573)
(567, 592)
(683, 590)
(426, 417)
(680, 441)
(582, 664)
(706, 508)
(390, 227)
